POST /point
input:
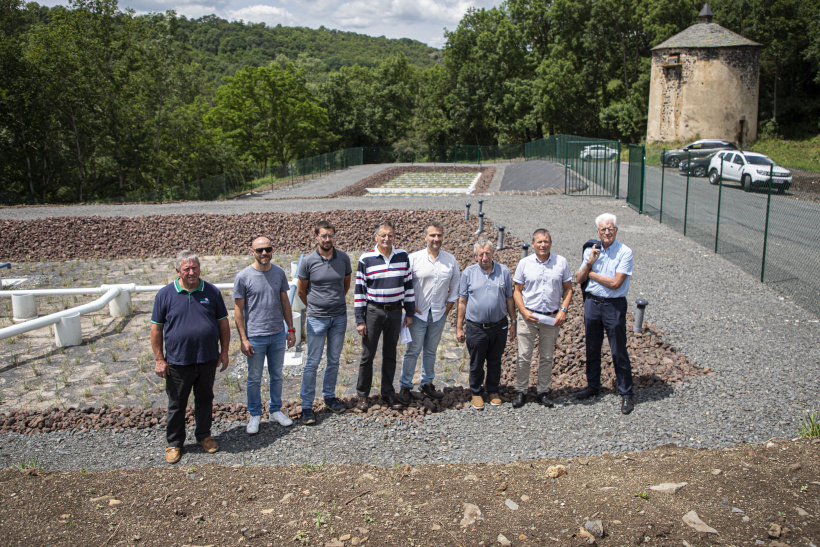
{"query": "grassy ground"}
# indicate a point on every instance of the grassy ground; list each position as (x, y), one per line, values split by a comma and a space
(795, 154)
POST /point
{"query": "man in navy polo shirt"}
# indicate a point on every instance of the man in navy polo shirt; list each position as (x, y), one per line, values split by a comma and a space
(189, 325)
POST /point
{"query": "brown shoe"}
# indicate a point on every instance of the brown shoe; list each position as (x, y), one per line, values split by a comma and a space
(209, 444)
(495, 399)
(362, 404)
(173, 454)
(478, 402)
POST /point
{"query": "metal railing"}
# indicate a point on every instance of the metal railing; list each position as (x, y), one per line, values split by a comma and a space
(592, 166)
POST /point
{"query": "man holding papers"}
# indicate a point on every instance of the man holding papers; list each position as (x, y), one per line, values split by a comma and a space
(542, 292)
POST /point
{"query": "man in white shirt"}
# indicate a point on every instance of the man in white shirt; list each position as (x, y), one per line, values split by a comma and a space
(542, 292)
(435, 285)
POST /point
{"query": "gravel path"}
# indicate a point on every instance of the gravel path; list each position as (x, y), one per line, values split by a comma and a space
(764, 352)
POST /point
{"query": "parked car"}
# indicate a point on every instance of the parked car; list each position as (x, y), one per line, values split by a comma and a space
(751, 169)
(697, 149)
(598, 152)
(698, 167)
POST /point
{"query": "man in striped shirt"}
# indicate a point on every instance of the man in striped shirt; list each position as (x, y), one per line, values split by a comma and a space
(384, 285)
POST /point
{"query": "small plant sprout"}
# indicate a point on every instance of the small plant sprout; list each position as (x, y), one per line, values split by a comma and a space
(810, 424)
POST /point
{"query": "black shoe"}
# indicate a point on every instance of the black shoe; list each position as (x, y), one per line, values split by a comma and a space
(390, 401)
(519, 400)
(308, 417)
(543, 398)
(586, 393)
(404, 396)
(335, 405)
(627, 405)
(430, 391)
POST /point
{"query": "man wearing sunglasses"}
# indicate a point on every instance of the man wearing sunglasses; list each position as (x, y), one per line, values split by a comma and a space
(262, 311)
(323, 281)
(608, 267)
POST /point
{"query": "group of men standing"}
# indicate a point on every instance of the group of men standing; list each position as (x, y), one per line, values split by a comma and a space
(393, 291)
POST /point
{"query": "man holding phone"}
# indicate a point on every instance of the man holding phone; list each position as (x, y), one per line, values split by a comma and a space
(608, 269)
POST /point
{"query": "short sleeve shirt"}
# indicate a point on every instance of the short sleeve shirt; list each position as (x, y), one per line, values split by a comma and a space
(616, 259)
(326, 283)
(542, 281)
(189, 320)
(263, 306)
(486, 293)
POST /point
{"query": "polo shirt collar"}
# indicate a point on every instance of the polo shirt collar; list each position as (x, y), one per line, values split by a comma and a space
(333, 256)
(180, 288)
(392, 252)
(547, 261)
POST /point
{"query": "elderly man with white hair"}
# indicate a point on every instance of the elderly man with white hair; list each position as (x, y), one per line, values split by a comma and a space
(608, 268)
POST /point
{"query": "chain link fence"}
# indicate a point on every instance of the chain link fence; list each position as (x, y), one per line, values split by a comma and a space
(757, 225)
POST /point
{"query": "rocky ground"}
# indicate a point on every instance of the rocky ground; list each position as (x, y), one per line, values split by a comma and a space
(727, 363)
(744, 495)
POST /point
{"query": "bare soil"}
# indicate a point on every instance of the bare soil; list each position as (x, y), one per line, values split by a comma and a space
(745, 494)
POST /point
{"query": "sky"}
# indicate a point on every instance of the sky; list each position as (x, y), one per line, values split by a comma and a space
(422, 20)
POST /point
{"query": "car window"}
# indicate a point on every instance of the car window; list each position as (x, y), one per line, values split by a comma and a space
(739, 160)
(726, 157)
(759, 160)
(696, 146)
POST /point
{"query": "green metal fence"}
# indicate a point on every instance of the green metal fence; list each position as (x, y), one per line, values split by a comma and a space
(635, 185)
(592, 165)
(769, 235)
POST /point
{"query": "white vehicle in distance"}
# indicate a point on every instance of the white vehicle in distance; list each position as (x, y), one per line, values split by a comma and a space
(598, 152)
(751, 169)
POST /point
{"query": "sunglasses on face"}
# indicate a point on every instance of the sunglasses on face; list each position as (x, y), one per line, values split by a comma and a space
(263, 250)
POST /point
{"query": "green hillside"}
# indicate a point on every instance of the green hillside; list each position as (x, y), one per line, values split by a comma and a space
(223, 47)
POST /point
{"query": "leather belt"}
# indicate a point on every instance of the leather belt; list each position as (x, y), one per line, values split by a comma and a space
(543, 313)
(487, 325)
(386, 307)
(602, 299)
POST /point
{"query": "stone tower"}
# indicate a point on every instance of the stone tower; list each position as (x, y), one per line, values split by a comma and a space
(704, 84)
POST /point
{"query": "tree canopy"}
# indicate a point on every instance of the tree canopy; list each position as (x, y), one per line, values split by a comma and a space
(96, 102)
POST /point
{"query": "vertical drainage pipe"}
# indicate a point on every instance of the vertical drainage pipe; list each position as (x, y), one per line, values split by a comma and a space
(525, 250)
(23, 307)
(500, 238)
(68, 331)
(637, 325)
(467, 212)
(480, 223)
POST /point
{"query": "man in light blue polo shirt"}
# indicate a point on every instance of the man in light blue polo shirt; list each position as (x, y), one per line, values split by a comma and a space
(608, 268)
(485, 299)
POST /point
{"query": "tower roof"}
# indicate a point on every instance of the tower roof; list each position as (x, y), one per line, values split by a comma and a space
(706, 35)
(705, 15)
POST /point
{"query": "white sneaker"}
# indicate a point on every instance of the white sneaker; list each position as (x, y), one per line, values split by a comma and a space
(253, 425)
(280, 417)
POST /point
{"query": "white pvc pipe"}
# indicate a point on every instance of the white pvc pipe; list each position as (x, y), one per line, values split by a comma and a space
(47, 320)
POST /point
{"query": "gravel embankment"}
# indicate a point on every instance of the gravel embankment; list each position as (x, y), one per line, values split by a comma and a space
(764, 352)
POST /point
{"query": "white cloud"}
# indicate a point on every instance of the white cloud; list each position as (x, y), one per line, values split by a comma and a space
(262, 13)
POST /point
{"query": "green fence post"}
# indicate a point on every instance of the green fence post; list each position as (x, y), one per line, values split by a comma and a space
(717, 225)
(686, 201)
(643, 174)
(618, 177)
(766, 229)
(663, 175)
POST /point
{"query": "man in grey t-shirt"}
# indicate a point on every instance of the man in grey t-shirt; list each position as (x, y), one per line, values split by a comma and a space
(323, 280)
(261, 309)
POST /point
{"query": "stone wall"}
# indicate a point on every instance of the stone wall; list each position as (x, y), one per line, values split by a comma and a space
(709, 93)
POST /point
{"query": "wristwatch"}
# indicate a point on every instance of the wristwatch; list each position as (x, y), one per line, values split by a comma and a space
(563, 309)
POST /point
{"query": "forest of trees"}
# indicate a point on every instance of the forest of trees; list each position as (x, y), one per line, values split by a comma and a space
(96, 102)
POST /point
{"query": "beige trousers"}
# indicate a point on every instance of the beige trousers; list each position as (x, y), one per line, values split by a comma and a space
(547, 335)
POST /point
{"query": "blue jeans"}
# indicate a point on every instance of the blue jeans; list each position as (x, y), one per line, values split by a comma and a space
(318, 330)
(426, 336)
(273, 347)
